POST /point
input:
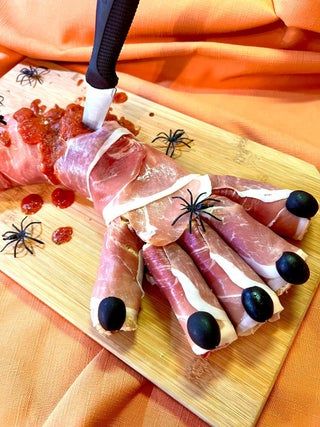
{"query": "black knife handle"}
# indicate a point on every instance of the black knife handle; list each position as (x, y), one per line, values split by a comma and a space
(113, 21)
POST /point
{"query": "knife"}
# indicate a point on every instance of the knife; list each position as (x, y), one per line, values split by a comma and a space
(113, 20)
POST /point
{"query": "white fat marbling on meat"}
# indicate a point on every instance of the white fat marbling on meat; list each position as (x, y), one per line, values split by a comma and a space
(302, 227)
(239, 278)
(139, 276)
(264, 194)
(150, 229)
(114, 137)
(110, 211)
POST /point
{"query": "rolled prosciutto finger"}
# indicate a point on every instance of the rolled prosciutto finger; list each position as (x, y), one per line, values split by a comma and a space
(248, 301)
(286, 212)
(117, 293)
(203, 320)
(278, 262)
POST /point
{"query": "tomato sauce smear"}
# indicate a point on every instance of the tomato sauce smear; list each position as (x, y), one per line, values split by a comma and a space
(62, 235)
(31, 204)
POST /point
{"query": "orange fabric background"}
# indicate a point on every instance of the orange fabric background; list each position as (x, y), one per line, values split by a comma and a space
(232, 63)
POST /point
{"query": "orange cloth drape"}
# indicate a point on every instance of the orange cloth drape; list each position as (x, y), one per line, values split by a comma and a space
(249, 66)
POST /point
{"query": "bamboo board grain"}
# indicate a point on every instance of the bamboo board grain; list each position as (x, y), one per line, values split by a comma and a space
(227, 389)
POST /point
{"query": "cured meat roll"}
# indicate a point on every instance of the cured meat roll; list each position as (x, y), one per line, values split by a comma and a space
(286, 212)
(248, 301)
(203, 320)
(117, 293)
(278, 262)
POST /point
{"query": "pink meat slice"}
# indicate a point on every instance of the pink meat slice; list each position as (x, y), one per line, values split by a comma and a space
(163, 262)
(20, 163)
(119, 274)
(272, 213)
(153, 221)
(259, 246)
(98, 166)
(226, 274)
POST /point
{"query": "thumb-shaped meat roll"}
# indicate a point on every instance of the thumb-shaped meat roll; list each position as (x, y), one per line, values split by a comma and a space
(203, 320)
(248, 301)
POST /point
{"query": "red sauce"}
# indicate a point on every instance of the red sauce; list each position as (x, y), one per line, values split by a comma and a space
(79, 82)
(62, 198)
(31, 204)
(120, 98)
(62, 235)
(129, 125)
(5, 139)
(50, 129)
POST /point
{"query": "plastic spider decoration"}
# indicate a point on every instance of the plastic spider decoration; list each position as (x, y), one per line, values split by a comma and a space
(19, 237)
(194, 209)
(174, 139)
(32, 75)
(2, 120)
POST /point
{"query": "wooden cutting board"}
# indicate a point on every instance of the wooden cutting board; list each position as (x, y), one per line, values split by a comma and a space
(231, 386)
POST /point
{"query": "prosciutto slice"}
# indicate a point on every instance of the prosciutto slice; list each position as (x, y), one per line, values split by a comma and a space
(257, 245)
(184, 287)
(120, 274)
(227, 275)
(267, 204)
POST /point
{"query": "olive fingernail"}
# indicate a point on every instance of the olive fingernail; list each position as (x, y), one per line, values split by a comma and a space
(257, 303)
(302, 204)
(292, 268)
(112, 313)
(204, 330)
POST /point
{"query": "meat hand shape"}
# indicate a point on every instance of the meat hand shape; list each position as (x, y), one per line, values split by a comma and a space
(215, 245)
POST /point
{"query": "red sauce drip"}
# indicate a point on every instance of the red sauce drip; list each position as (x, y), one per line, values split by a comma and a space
(79, 82)
(62, 235)
(120, 98)
(129, 125)
(62, 198)
(31, 204)
(5, 139)
(50, 129)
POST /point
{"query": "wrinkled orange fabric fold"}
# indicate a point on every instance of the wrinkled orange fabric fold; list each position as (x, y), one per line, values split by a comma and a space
(249, 66)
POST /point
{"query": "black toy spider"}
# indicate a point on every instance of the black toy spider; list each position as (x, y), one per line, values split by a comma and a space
(20, 236)
(31, 75)
(194, 208)
(2, 120)
(173, 139)
(1, 100)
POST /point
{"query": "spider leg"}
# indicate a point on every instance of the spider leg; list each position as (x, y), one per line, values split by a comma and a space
(44, 71)
(172, 147)
(191, 196)
(8, 232)
(178, 217)
(36, 240)
(15, 248)
(174, 135)
(31, 223)
(184, 143)
(21, 224)
(181, 198)
(165, 135)
(210, 199)
(199, 220)
(5, 246)
(16, 228)
(198, 197)
(28, 249)
(159, 137)
(210, 214)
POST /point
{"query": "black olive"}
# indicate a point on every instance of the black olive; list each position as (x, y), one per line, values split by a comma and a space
(292, 268)
(302, 204)
(112, 313)
(257, 303)
(204, 330)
